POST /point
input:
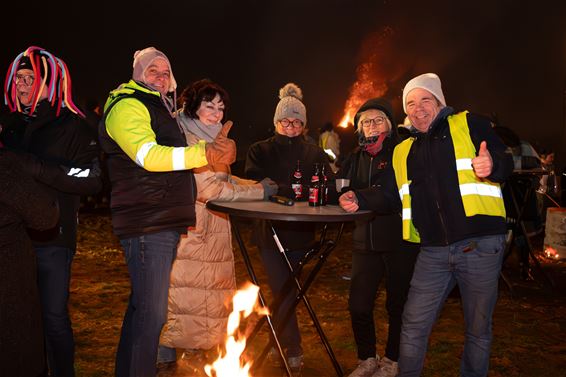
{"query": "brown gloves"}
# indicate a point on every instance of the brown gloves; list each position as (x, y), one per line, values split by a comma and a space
(222, 150)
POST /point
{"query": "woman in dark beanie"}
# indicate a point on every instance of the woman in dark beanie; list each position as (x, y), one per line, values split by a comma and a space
(378, 248)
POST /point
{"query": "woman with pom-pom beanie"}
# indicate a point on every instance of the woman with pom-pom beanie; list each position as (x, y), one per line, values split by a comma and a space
(276, 158)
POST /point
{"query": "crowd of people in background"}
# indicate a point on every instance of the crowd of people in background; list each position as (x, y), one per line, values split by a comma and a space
(436, 185)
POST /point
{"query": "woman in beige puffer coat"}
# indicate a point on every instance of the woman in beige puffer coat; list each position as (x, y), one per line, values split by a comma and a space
(203, 275)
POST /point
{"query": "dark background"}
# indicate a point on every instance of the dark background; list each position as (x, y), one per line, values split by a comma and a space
(494, 57)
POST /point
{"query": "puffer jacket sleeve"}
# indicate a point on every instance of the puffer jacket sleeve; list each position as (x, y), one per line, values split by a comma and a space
(221, 187)
(241, 181)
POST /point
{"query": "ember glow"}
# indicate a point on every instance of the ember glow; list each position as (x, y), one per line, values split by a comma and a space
(551, 252)
(230, 363)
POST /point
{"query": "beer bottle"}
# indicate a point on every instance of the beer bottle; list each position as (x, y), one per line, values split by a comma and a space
(323, 195)
(314, 187)
(297, 182)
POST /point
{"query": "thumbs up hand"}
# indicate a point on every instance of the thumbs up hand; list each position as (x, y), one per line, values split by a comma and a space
(348, 201)
(225, 129)
(482, 164)
(222, 150)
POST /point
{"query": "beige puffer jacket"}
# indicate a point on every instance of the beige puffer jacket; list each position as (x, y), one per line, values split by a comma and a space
(203, 277)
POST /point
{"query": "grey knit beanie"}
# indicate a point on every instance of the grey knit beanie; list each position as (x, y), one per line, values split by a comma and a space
(290, 104)
(144, 58)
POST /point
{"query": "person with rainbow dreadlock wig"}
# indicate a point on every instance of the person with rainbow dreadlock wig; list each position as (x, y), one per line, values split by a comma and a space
(55, 144)
(153, 196)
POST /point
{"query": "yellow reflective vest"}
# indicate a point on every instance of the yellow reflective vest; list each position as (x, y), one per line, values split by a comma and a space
(479, 196)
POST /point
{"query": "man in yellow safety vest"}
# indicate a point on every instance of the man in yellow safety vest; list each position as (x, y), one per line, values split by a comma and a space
(447, 177)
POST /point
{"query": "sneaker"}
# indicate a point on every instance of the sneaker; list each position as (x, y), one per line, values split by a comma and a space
(296, 365)
(366, 368)
(387, 368)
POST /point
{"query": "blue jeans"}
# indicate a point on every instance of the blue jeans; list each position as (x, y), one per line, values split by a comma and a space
(54, 275)
(149, 259)
(474, 264)
(166, 354)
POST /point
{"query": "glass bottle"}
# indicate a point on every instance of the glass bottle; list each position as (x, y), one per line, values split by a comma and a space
(314, 187)
(297, 182)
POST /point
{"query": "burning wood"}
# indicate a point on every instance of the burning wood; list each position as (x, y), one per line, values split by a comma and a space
(372, 74)
(230, 363)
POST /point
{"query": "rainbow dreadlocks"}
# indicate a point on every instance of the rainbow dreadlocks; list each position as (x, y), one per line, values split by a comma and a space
(55, 78)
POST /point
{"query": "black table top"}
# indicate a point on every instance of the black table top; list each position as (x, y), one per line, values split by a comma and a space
(300, 211)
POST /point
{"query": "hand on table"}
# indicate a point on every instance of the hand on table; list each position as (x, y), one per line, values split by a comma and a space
(348, 201)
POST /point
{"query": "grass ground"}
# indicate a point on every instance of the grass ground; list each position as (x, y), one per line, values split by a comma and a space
(529, 328)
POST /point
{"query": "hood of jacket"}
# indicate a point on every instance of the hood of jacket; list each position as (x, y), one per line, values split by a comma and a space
(129, 88)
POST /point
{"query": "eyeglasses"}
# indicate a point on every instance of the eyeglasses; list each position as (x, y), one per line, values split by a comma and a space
(26, 79)
(377, 121)
(286, 123)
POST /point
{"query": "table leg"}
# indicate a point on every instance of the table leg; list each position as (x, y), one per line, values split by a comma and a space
(253, 277)
(327, 246)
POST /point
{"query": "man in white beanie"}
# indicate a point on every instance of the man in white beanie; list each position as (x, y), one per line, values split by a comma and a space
(447, 176)
(153, 196)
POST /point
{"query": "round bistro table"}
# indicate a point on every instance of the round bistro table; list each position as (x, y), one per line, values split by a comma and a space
(321, 249)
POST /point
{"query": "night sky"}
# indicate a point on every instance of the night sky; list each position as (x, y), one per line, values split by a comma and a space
(492, 56)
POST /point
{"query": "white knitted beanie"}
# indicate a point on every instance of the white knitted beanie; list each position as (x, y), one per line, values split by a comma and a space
(426, 81)
(290, 105)
(144, 58)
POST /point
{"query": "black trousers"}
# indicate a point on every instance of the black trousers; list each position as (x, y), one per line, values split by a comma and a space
(278, 276)
(368, 269)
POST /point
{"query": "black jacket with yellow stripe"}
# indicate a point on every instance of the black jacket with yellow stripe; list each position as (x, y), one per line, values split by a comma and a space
(146, 200)
(437, 209)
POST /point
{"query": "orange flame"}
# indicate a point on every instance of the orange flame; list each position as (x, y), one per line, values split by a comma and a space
(230, 364)
(371, 78)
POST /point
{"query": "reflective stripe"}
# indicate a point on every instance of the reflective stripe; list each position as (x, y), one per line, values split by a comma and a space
(406, 214)
(464, 164)
(330, 153)
(179, 158)
(404, 190)
(142, 153)
(77, 172)
(480, 189)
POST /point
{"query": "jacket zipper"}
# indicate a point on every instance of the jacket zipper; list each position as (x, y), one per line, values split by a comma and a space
(428, 139)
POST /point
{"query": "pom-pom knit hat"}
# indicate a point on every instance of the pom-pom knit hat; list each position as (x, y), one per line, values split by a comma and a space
(290, 104)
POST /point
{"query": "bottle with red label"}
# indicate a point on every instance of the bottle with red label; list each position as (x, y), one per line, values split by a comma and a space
(297, 182)
(314, 187)
(323, 196)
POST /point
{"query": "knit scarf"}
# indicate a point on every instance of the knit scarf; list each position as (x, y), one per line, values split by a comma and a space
(374, 144)
(197, 128)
